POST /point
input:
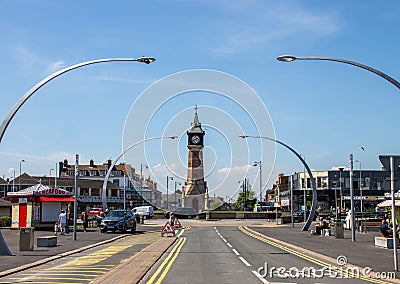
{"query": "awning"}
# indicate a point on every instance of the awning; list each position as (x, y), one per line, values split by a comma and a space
(56, 199)
(388, 203)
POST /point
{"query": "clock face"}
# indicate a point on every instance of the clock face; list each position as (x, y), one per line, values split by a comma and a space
(195, 139)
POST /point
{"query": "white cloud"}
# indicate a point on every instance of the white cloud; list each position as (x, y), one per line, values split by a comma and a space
(55, 66)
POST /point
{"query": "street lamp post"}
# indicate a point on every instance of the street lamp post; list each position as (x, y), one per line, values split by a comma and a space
(305, 191)
(360, 187)
(353, 219)
(28, 94)
(168, 178)
(104, 190)
(259, 164)
(340, 189)
(176, 183)
(313, 184)
(291, 58)
(141, 177)
(20, 173)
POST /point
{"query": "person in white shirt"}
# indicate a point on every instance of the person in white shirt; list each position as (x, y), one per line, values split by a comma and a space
(62, 221)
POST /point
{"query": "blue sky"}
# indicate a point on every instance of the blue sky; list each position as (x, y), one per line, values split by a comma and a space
(324, 110)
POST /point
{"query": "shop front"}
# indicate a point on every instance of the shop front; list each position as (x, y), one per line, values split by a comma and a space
(38, 206)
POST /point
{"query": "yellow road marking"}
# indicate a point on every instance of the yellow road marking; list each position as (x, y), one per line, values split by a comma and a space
(177, 248)
(311, 259)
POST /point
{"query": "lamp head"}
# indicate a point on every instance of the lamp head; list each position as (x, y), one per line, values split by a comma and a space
(146, 60)
(286, 58)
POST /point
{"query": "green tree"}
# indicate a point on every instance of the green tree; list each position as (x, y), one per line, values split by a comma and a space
(241, 200)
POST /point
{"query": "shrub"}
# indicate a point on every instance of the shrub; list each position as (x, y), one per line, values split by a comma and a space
(5, 221)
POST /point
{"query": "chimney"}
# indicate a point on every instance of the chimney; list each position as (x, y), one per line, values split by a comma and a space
(109, 163)
(65, 163)
(91, 163)
(60, 168)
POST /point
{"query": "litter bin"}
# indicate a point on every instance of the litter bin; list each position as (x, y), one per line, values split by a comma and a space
(339, 230)
(26, 238)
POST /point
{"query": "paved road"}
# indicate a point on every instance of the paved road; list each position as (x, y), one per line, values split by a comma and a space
(225, 254)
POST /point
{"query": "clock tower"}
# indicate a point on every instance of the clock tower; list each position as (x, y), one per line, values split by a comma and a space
(195, 191)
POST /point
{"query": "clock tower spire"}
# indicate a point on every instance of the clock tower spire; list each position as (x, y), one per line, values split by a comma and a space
(195, 191)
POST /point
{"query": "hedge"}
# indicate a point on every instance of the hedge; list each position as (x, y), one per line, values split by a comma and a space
(5, 221)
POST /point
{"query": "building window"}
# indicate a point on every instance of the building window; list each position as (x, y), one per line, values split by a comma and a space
(103, 173)
(93, 173)
(116, 182)
(319, 182)
(95, 192)
(84, 191)
(70, 173)
(83, 173)
(114, 192)
(116, 173)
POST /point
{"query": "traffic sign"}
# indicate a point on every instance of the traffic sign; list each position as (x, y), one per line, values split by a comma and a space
(168, 229)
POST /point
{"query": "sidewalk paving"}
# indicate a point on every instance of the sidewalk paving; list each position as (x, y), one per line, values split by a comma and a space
(21, 260)
(362, 253)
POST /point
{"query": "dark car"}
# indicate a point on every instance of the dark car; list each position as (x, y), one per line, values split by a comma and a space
(184, 213)
(121, 220)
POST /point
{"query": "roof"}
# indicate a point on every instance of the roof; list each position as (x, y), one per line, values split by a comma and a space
(196, 125)
(40, 189)
(126, 169)
(2, 181)
(5, 203)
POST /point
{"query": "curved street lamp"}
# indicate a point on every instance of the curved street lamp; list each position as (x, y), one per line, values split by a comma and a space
(104, 191)
(28, 94)
(313, 185)
(291, 58)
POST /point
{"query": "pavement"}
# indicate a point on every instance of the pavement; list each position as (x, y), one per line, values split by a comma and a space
(361, 253)
(21, 260)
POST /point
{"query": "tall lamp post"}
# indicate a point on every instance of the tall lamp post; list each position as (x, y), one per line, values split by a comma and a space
(104, 191)
(360, 187)
(176, 183)
(141, 177)
(168, 178)
(28, 94)
(291, 58)
(313, 184)
(305, 191)
(259, 164)
(20, 173)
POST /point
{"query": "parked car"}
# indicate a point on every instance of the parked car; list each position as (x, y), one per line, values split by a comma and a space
(186, 212)
(95, 211)
(146, 211)
(121, 220)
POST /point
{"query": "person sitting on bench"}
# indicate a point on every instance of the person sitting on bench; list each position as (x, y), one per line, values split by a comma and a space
(385, 230)
(322, 225)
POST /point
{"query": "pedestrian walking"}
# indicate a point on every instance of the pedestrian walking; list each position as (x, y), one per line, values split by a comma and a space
(62, 220)
(85, 220)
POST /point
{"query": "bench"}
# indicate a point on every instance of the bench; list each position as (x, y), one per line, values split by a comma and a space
(48, 241)
(384, 242)
(326, 232)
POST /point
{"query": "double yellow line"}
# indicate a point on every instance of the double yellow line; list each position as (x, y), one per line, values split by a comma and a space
(167, 262)
(309, 258)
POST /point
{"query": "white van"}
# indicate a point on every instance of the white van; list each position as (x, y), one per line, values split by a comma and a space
(146, 211)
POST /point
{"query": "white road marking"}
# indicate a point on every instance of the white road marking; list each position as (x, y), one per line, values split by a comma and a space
(244, 261)
(260, 277)
(224, 240)
(229, 245)
(235, 251)
(180, 234)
